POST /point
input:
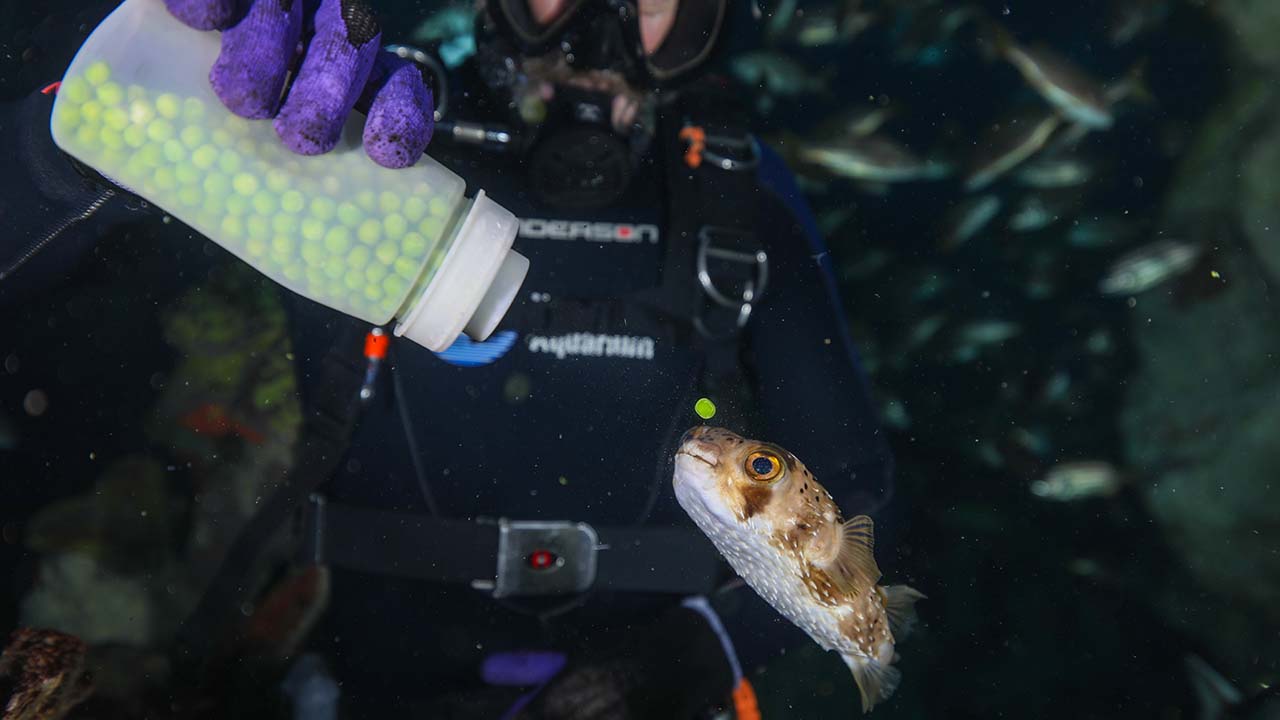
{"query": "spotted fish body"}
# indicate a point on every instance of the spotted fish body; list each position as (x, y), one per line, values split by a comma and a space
(783, 534)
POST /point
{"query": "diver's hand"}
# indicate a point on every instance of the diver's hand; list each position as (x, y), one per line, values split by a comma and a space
(342, 63)
(674, 668)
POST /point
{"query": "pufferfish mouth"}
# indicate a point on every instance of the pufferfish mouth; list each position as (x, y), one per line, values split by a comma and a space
(699, 451)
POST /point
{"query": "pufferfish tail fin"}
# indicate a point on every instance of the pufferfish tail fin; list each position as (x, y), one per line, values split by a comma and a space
(854, 568)
(900, 606)
(876, 680)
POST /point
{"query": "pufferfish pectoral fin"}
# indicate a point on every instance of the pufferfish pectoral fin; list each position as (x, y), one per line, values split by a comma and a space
(900, 606)
(854, 568)
(876, 681)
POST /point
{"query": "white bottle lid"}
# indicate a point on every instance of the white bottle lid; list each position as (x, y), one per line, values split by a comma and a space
(475, 284)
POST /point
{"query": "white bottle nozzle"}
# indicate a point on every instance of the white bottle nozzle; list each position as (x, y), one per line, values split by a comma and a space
(476, 283)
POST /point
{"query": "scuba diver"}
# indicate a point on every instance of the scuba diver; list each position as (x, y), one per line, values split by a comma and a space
(497, 517)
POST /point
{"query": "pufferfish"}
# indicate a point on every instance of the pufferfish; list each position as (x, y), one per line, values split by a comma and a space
(784, 535)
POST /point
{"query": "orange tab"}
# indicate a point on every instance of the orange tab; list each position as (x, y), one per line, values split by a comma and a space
(745, 706)
(697, 139)
(376, 344)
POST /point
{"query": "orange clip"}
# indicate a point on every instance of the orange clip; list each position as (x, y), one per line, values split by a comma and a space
(697, 139)
(375, 344)
(745, 706)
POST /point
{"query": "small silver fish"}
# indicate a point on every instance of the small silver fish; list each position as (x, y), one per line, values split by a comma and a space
(1148, 266)
(873, 158)
(1008, 144)
(1054, 172)
(1073, 94)
(968, 218)
(1067, 482)
(783, 534)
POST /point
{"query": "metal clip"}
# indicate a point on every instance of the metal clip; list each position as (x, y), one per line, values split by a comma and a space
(731, 246)
(543, 558)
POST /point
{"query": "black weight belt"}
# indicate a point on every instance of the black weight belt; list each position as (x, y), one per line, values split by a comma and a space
(673, 560)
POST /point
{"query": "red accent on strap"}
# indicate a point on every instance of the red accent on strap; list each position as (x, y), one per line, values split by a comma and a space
(541, 559)
(375, 345)
(745, 706)
(697, 139)
(51, 88)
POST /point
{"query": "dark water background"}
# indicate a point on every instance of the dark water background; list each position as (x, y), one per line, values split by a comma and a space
(1009, 629)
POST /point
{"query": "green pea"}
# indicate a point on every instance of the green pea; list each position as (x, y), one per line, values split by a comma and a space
(237, 205)
(387, 252)
(189, 195)
(259, 227)
(245, 184)
(110, 94)
(265, 203)
(432, 228)
(232, 226)
(191, 136)
(87, 136)
(168, 105)
(140, 112)
(372, 292)
(91, 111)
(228, 161)
(285, 224)
(192, 110)
(159, 130)
(313, 254)
(164, 178)
(354, 279)
(255, 247)
(395, 286)
(438, 207)
(293, 273)
(186, 173)
(413, 245)
(110, 138)
(358, 258)
(414, 208)
(395, 225)
(204, 156)
(322, 207)
(337, 240)
(174, 152)
(292, 201)
(277, 180)
(375, 272)
(334, 268)
(407, 268)
(67, 116)
(283, 244)
(74, 89)
(115, 118)
(216, 184)
(135, 136)
(388, 202)
(370, 231)
(366, 201)
(312, 229)
(97, 73)
(349, 214)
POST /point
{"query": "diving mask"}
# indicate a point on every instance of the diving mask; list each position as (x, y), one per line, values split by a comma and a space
(605, 35)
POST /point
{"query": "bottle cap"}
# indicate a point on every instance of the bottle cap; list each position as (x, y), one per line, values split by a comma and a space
(475, 284)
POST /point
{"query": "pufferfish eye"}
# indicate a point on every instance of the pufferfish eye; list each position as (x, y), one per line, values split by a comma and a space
(764, 466)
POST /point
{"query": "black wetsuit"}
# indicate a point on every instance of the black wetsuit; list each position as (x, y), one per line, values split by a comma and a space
(572, 412)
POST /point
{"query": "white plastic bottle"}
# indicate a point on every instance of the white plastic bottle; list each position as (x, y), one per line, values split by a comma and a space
(368, 241)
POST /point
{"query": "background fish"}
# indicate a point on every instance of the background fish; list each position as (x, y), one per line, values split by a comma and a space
(782, 532)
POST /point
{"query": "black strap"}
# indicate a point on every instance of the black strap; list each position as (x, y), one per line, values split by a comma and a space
(323, 439)
(674, 560)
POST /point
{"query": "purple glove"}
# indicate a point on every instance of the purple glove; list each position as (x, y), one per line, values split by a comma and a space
(342, 64)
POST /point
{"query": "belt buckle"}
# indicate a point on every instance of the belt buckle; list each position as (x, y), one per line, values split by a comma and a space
(543, 558)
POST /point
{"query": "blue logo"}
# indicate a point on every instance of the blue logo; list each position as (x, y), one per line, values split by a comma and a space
(465, 353)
